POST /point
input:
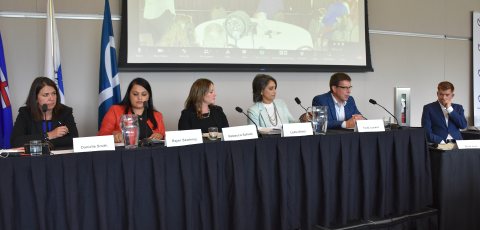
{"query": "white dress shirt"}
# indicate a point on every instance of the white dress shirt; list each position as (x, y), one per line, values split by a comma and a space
(340, 110)
(446, 112)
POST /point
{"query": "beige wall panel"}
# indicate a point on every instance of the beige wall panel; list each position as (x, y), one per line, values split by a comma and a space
(416, 63)
(80, 7)
(18, 5)
(426, 16)
(426, 67)
(458, 71)
(459, 17)
(20, 44)
(389, 58)
(388, 15)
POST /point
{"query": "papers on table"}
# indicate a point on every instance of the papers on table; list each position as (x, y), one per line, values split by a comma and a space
(56, 152)
(206, 135)
(270, 131)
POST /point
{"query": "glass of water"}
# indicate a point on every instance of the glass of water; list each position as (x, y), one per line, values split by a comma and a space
(35, 148)
(213, 133)
(387, 122)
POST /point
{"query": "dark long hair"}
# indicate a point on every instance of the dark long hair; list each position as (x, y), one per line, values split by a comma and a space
(126, 99)
(32, 104)
(195, 98)
(259, 83)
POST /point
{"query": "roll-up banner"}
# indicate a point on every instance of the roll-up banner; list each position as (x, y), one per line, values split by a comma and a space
(476, 68)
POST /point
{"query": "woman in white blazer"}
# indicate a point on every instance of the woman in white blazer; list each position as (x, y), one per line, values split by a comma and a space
(267, 110)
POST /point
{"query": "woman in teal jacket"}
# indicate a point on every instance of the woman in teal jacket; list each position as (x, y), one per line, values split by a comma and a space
(268, 111)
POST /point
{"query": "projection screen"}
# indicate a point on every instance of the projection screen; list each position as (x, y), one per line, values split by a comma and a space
(248, 35)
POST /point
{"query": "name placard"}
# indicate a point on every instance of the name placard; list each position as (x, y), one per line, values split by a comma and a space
(297, 129)
(369, 126)
(91, 144)
(468, 144)
(185, 137)
(239, 133)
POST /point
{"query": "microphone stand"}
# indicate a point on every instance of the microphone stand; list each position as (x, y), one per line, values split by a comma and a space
(146, 142)
(372, 101)
(240, 110)
(45, 135)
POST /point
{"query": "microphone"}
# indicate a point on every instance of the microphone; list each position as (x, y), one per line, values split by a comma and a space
(146, 142)
(375, 103)
(240, 110)
(299, 103)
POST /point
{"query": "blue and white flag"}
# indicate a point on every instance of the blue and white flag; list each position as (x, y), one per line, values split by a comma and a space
(6, 120)
(109, 84)
(53, 67)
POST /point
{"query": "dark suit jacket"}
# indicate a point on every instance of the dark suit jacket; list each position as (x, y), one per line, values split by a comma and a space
(189, 120)
(26, 129)
(435, 126)
(327, 100)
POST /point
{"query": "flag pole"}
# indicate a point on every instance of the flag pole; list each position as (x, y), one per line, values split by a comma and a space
(52, 40)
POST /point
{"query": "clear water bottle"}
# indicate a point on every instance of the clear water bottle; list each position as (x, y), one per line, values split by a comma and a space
(130, 136)
(130, 130)
(319, 119)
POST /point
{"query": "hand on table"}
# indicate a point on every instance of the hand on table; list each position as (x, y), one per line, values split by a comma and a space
(157, 136)
(304, 117)
(358, 117)
(350, 123)
(117, 136)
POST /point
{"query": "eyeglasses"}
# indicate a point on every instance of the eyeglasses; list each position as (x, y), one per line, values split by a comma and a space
(345, 88)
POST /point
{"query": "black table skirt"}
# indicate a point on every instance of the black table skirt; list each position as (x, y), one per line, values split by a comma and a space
(269, 183)
(456, 187)
(470, 135)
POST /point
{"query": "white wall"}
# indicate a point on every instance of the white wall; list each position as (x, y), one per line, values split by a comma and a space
(399, 61)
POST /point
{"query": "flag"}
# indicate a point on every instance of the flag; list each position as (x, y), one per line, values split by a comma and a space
(6, 120)
(53, 67)
(109, 84)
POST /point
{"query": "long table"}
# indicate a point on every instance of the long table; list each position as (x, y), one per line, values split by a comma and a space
(267, 183)
(456, 183)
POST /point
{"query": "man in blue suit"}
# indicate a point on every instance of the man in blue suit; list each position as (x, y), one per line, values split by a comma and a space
(442, 119)
(342, 111)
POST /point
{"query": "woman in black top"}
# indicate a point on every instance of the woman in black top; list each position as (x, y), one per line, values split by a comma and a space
(60, 127)
(200, 111)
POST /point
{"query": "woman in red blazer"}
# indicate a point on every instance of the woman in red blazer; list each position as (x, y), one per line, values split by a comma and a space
(138, 91)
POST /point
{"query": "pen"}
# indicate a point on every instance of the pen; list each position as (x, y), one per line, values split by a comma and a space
(61, 124)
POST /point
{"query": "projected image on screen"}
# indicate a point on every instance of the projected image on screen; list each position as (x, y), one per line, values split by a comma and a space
(313, 32)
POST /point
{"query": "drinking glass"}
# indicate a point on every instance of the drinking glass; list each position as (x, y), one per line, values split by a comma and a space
(212, 133)
(35, 148)
(387, 122)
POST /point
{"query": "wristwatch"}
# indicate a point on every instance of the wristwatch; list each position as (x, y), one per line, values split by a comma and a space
(45, 137)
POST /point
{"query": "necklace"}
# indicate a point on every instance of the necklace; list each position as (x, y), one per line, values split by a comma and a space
(208, 115)
(273, 118)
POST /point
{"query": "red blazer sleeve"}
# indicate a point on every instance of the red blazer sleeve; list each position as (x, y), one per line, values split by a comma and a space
(160, 126)
(111, 121)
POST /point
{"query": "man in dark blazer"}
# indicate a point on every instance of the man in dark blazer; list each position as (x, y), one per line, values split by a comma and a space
(342, 111)
(442, 119)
